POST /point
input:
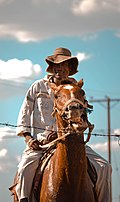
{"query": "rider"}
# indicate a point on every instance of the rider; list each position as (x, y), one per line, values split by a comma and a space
(36, 124)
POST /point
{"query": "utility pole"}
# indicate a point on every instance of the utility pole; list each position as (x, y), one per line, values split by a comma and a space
(108, 100)
(109, 130)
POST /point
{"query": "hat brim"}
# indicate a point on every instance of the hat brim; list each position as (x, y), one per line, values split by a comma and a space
(73, 64)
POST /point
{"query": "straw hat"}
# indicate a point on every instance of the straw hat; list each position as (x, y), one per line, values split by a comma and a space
(61, 55)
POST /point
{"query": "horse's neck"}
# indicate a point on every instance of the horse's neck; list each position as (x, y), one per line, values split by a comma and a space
(72, 151)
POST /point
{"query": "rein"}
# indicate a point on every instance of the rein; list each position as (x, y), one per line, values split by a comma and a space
(65, 135)
(54, 141)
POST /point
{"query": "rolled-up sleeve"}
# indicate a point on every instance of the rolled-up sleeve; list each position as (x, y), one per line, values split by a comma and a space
(24, 117)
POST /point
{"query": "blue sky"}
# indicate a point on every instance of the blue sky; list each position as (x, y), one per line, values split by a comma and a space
(29, 32)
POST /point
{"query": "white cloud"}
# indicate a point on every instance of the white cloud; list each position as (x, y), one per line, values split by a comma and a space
(17, 33)
(103, 147)
(8, 159)
(7, 163)
(18, 70)
(23, 36)
(6, 132)
(86, 7)
(117, 131)
(99, 146)
(3, 153)
(10, 150)
(82, 56)
(9, 88)
(16, 76)
(63, 18)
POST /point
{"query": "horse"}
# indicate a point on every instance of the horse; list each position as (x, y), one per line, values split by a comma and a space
(65, 179)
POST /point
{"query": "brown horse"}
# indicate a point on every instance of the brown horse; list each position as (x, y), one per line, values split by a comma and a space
(65, 178)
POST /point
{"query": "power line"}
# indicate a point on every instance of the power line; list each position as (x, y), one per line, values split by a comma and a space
(25, 84)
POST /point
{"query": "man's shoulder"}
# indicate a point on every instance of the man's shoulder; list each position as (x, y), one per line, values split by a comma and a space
(41, 85)
(39, 81)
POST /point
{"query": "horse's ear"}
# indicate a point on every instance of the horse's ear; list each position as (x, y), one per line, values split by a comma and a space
(80, 83)
(53, 86)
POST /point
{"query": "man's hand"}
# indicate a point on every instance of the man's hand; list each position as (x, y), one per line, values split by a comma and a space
(31, 142)
(52, 136)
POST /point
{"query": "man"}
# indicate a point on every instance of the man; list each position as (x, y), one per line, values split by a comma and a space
(35, 124)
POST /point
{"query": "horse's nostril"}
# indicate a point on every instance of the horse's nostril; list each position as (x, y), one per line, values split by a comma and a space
(67, 109)
(80, 107)
(64, 115)
(73, 107)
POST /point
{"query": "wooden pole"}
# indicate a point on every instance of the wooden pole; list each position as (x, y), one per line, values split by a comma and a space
(109, 142)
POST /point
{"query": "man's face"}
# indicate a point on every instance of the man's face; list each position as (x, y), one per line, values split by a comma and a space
(61, 71)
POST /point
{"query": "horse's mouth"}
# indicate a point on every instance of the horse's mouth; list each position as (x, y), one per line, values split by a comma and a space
(75, 116)
(76, 126)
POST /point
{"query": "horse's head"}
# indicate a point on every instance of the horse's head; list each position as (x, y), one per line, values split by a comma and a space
(70, 106)
(70, 155)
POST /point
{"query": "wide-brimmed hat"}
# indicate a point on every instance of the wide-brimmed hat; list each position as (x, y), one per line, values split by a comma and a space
(61, 55)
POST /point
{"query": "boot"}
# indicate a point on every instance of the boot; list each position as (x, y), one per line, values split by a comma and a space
(24, 200)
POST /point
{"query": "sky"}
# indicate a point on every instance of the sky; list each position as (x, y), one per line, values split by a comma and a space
(30, 30)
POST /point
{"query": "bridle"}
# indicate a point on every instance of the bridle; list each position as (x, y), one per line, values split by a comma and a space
(79, 105)
(64, 108)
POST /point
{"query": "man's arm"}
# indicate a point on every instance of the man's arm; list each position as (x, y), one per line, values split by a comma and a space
(24, 118)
